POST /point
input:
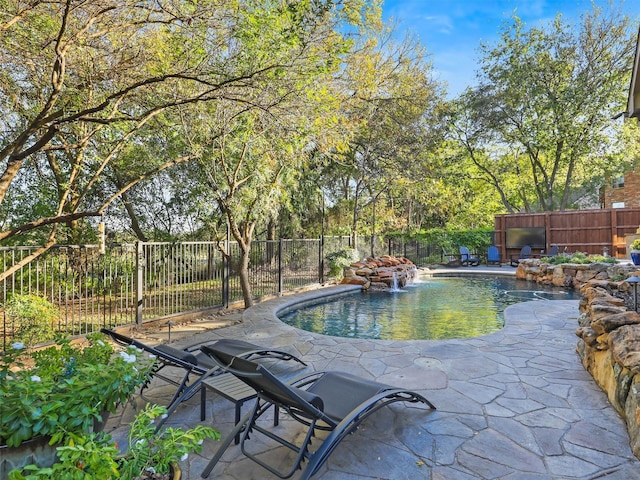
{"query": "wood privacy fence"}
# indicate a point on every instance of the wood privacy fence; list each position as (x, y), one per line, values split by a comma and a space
(590, 231)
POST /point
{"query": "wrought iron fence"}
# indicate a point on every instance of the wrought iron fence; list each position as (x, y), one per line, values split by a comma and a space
(418, 252)
(137, 282)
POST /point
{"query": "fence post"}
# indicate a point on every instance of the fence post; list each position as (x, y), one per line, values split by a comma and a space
(321, 260)
(225, 270)
(280, 280)
(140, 263)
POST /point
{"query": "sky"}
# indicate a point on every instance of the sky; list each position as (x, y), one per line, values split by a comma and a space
(452, 30)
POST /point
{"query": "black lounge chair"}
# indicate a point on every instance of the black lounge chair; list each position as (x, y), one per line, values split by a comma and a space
(525, 253)
(467, 259)
(331, 401)
(195, 363)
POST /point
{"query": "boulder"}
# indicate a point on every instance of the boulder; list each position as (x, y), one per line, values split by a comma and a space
(379, 273)
(603, 310)
(355, 280)
(611, 322)
(588, 335)
(624, 343)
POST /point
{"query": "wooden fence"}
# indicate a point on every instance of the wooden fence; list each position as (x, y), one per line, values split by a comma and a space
(590, 231)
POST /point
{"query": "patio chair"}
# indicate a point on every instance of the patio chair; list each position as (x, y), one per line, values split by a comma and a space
(467, 259)
(451, 259)
(493, 255)
(525, 252)
(553, 251)
(195, 363)
(335, 402)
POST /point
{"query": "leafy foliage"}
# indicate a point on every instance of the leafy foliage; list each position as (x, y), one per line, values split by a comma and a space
(538, 129)
(579, 258)
(95, 455)
(64, 388)
(32, 318)
(339, 260)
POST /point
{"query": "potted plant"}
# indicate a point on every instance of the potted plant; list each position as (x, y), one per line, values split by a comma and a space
(63, 389)
(635, 252)
(150, 454)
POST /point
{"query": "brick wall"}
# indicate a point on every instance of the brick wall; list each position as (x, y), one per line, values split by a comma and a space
(629, 194)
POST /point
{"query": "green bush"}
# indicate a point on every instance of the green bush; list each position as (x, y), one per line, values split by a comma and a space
(579, 258)
(32, 318)
(476, 240)
(339, 260)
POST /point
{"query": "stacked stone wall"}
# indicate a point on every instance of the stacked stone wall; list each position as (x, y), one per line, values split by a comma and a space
(380, 273)
(608, 329)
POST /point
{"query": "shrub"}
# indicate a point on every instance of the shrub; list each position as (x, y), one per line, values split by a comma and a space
(65, 388)
(339, 260)
(32, 318)
(96, 456)
(579, 258)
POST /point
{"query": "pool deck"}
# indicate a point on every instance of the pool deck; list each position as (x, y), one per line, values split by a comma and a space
(515, 404)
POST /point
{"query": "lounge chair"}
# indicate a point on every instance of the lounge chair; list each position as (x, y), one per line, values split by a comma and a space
(195, 363)
(467, 259)
(525, 253)
(451, 259)
(335, 402)
(493, 255)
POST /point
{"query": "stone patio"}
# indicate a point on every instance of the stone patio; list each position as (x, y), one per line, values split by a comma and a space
(516, 404)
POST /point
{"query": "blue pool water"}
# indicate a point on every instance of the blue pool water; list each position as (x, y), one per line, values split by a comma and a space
(436, 308)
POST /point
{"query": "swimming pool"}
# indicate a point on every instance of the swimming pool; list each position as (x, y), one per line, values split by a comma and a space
(436, 308)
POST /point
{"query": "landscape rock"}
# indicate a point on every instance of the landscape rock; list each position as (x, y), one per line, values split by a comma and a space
(380, 273)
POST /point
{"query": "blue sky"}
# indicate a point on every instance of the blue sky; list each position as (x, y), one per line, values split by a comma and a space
(452, 30)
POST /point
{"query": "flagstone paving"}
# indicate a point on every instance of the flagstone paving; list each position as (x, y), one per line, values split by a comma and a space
(516, 404)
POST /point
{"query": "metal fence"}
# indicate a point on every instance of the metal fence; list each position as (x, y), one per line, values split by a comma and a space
(136, 282)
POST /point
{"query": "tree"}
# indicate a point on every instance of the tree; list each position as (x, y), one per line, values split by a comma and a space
(390, 104)
(83, 82)
(538, 129)
(251, 153)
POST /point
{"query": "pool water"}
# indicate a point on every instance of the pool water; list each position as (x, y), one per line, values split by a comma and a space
(436, 309)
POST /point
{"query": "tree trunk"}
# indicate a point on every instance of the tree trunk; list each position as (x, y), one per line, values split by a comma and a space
(245, 285)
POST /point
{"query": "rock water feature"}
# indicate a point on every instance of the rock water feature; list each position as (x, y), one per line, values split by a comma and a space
(381, 273)
(608, 328)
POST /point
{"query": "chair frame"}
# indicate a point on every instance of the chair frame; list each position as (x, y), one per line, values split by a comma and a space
(525, 252)
(554, 251)
(453, 259)
(168, 356)
(499, 259)
(467, 259)
(298, 398)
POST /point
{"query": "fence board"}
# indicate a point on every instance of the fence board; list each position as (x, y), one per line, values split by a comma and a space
(589, 231)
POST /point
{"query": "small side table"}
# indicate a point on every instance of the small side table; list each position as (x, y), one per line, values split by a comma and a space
(233, 389)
